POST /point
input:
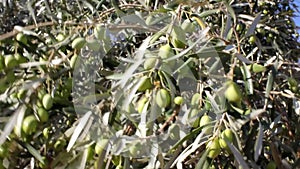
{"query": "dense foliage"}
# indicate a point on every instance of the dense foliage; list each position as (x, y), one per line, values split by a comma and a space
(149, 84)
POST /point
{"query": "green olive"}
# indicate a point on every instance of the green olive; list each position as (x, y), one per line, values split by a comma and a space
(271, 165)
(41, 93)
(165, 51)
(214, 148)
(47, 101)
(233, 92)
(10, 61)
(60, 37)
(204, 121)
(257, 68)
(78, 43)
(21, 38)
(46, 132)
(60, 144)
(261, 31)
(163, 98)
(178, 100)
(73, 61)
(196, 99)
(194, 116)
(239, 27)
(43, 114)
(29, 124)
(145, 85)
(265, 11)
(150, 63)
(3, 151)
(141, 104)
(252, 39)
(21, 94)
(226, 135)
(100, 146)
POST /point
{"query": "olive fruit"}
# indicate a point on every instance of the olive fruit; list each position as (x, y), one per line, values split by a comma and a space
(293, 84)
(60, 37)
(3, 151)
(146, 84)
(226, 135)
(239, 27)
(163, 98)
(165, 51)
(150, 63)
(194, 116)
(59, 144)
(141, 104)
(100, 146)
(233, 92)
(205, 119)
(271, 165)
(10, 61)
(47, 101)
(41, 94)
(29, 124)
(46, 132)
(21, 93)
(214, 148)
(265, 11)
(257, 68)
(188, 26)
(21, 38)
(261, 31)
(78, 43)
(252, 39)
(196, 99)
(43, 114)
(178, 100)
(73, 61)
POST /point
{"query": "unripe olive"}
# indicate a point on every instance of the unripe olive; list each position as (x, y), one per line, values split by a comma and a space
(165, 51)
(261, 31)
(145, 85)
(73, 61)
(47, 101)
(78, 43)
(214, 148)
(141, 104)
(292, 82)
(196, 99)
(257, 68)
(150, 63)
(265, 11)
(239, 27)
(252, 39)
(188, 26)
(227, 134)
(271, 165)
(43, 114)
(60, 37)
(41, 94)
(100, 146)
(10, 61)
(46, 132)
(194, 115)
(205, 120)
(178, 100)
(29, 124)
(233, 93)
(3, 151)
(21, 38)
(163, 98)
(60, 144)
(294, 89)
(21, 93)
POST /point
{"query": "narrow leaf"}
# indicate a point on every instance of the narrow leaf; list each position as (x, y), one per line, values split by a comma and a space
(237, 156)
(258, 142)
(78, 129)
(251, 30)
(34, 152)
